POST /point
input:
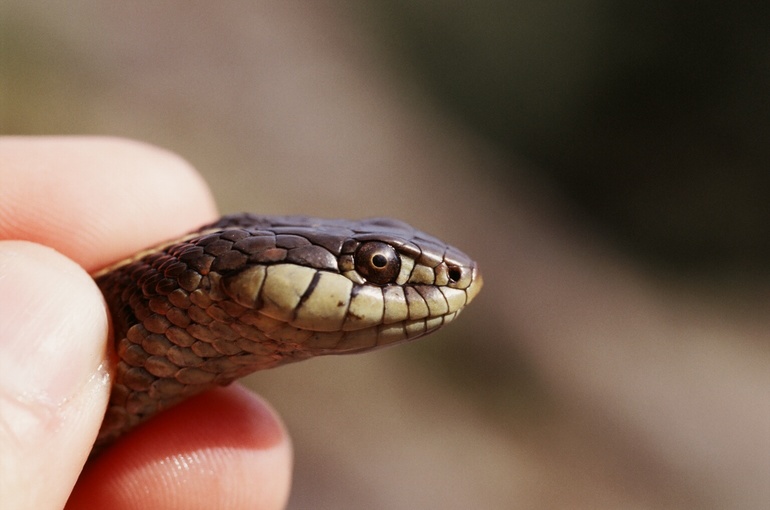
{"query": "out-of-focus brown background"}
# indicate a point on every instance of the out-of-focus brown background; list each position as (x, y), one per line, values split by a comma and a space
(606, 162)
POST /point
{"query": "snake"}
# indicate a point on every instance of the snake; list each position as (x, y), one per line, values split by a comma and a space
(251, 292)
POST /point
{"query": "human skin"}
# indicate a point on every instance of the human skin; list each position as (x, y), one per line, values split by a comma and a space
(69, 206)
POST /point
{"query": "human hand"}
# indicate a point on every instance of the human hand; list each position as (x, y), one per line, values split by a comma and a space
(69, 206)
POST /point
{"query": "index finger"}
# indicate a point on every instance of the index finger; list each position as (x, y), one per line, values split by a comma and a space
(97, 200)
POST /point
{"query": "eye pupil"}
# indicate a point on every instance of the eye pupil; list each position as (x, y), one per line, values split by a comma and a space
(378, 262)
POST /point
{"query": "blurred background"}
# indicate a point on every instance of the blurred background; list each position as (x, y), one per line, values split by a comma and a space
(606, 163)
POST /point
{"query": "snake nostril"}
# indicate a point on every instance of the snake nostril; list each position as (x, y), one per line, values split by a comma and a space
(455, 273)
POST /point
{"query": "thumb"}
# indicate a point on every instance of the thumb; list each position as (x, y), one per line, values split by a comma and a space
(54, 384)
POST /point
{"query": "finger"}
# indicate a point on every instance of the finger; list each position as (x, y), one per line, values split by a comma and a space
(53, 386)
(97, 200)
(222, 449)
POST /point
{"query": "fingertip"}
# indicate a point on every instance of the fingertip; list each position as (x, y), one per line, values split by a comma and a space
(73, 193)
(225, 448)
(53, 385)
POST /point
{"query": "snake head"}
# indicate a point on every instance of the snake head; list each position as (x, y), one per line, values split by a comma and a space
(330, 286)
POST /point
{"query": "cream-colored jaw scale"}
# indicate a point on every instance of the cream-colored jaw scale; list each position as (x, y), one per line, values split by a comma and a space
(330, 312)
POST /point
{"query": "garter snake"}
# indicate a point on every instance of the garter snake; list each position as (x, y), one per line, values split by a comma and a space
(251, 292)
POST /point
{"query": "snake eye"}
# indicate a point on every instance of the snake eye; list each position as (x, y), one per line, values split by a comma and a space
(378, 262)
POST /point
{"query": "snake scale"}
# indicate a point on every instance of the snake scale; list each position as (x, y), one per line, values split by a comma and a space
(251, 292)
